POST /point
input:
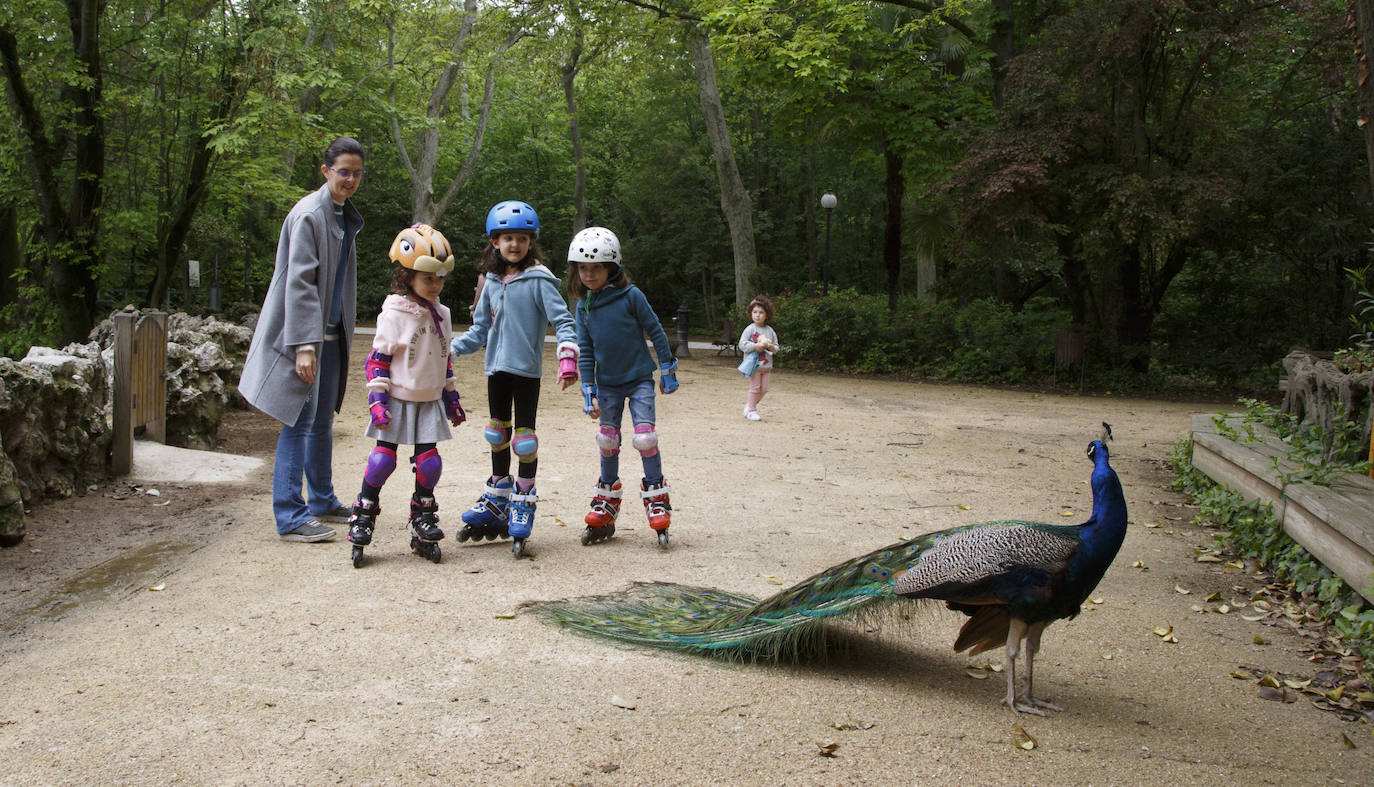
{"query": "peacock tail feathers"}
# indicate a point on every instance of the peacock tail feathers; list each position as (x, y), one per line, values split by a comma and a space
(787, 626)
(1005, 576)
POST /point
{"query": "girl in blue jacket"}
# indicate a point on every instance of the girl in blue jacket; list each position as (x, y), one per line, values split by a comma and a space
(519, 297)
(613, 317)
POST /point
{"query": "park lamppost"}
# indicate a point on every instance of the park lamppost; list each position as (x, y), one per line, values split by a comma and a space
(828, 202)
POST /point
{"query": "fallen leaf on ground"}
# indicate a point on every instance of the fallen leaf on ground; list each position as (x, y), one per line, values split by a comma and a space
(1021, 739)
(827, 748)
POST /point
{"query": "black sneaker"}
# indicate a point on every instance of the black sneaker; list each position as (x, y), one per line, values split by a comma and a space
(338, 516)
(309, 532)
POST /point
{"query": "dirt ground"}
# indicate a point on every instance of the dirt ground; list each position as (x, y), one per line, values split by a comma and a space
(172, 638)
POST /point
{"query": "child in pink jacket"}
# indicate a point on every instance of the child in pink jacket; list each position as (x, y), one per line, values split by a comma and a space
(412, 396)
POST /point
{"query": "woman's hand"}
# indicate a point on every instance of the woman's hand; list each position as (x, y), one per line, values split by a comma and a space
(305, 364)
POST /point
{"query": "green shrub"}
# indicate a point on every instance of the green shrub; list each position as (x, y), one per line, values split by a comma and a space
(981, 341)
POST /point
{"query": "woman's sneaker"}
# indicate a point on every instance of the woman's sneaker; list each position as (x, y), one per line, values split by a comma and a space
(309, 532)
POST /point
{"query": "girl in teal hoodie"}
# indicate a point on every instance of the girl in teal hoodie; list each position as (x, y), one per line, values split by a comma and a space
(519, 298)
(613, 317)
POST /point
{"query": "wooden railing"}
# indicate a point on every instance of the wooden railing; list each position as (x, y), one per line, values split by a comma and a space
(1334, 522)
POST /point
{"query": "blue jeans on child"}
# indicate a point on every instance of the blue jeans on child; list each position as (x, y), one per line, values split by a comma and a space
(611, 399)
(307, 449)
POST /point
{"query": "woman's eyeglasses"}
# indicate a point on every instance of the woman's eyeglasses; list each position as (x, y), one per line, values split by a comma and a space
(346, 174)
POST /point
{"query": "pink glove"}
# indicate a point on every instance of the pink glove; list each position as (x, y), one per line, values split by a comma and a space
(567, 363)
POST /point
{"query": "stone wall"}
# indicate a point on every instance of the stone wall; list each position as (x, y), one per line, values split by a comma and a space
(55, 409)
(54, 429)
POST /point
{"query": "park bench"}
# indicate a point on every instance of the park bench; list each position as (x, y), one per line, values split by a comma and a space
(727, 340)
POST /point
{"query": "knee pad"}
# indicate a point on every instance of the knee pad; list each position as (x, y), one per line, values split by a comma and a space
(608, 440)
(428, 468)
(498, 434)
(524, 444)
(646, 439)
(380, 464)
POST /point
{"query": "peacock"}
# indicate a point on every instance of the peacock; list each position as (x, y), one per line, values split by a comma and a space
(1012, 578)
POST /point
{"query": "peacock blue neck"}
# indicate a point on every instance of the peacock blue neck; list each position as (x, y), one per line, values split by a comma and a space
(1105, 531)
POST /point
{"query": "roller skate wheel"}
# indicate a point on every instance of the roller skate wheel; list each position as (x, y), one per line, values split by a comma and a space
(517, 547)
(587, 537)
(663, 539)
(434, 554)
(357, 557)
(463, 535)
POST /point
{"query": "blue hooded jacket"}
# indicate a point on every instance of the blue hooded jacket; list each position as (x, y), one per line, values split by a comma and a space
(510, 319)
(611, 326)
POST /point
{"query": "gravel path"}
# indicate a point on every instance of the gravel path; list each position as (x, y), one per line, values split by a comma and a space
(171, 638)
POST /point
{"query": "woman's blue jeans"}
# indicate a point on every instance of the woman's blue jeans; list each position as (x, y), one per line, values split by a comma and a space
(306, 449)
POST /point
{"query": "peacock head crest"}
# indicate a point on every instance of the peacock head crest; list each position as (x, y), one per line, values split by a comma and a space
(1100, 444)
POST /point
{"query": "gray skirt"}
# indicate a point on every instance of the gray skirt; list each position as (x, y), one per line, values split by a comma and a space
(413, 423)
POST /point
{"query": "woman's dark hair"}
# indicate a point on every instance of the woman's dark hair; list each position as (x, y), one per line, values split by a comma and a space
(491, 260)
(576, 289)
(761, 300)
(342, 147)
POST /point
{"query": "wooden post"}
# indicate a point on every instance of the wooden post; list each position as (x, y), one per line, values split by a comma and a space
(122, 444)
(140, 384)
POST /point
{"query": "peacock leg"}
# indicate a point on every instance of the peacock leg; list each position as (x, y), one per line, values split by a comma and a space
(1016, 632)
(1033, 647)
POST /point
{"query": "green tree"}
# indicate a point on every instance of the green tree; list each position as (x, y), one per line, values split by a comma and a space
(55, 82)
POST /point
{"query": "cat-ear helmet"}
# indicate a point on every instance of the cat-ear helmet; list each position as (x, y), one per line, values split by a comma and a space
(512, 216)
(420, 247)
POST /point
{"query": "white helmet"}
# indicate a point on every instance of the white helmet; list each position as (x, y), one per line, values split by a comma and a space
(595, 244)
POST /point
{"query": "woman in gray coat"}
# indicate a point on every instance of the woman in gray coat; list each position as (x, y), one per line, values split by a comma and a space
(298, 362)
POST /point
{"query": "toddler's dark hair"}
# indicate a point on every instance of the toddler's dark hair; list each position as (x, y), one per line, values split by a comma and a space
(577, 290)
(766, 303)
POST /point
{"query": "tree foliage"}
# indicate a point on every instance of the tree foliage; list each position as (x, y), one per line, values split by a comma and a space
(1185, 181)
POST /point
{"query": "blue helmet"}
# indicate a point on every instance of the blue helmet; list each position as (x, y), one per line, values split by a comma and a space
(512, 216)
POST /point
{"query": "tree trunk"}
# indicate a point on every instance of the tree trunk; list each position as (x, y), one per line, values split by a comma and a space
(894, 187)
(926, 274)
(422, 169)
(71, 231)
(172, 233)
(570, 68)
(1002, 41)
(734, 198)
(1363, 12)
(479, 130)
(809, 210)
(9, 254)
